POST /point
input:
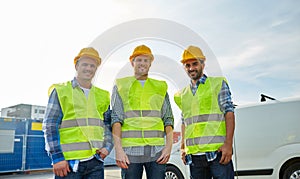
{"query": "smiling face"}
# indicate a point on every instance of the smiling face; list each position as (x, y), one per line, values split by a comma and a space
(194, 68)
(86, 68)
(141, 65)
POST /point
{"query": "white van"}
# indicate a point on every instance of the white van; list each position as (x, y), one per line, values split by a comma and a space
(267, 142)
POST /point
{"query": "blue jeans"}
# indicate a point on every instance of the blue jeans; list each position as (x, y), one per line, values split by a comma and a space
(91, 169)
(201, 169)
(153, 170)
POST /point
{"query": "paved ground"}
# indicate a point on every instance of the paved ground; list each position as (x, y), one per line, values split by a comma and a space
(110, 172)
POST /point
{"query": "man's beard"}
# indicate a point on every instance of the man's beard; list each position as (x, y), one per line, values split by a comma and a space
(197, 76)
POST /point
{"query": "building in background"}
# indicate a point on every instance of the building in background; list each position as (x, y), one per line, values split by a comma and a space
(27, 111)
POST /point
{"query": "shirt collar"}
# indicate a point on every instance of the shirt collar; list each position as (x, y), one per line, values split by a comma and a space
(75, 83)
(201, 80)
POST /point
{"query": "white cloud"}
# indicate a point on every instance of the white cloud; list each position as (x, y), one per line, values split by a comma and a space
(244, 56)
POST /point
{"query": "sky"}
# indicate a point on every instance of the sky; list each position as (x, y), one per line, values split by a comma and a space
(255, 44)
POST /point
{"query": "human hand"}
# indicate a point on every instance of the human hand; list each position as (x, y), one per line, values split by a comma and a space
(122, 159)
(183, 154)
(61, 168)
(226, 150)
(165, 155)
(103, 152)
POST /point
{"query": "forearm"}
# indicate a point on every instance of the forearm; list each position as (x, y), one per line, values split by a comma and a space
(182, 145)
(121, 158)
(227, 107)
(116, 131)
(51, 122)
(230, 126)
(169, 136)
(52, 145)
(226, 149)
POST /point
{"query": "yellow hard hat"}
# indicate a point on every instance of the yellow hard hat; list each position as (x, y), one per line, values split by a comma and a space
(141, 50)
(88, 52)
(192, 52)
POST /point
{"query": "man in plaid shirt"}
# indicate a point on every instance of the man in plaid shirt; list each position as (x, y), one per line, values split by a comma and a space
(77, 122)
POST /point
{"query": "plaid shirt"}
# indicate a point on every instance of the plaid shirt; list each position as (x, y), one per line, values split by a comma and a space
(225, 104)
(118, 113)
(52, 121)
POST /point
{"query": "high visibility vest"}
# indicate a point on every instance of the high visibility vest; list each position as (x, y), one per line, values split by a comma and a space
(142, 111)
(205, 129)
(82, 128)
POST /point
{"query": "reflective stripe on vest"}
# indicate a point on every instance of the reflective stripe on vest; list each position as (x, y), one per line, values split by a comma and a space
(142, 134)
(142, 107)
(81, 146)
(81, 122)
(205, 140)
(205, 123)
(82, 128)
(145, 113)
(204, 118)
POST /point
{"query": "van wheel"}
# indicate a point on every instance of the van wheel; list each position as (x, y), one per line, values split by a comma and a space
(173, 172)
(292, 172)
